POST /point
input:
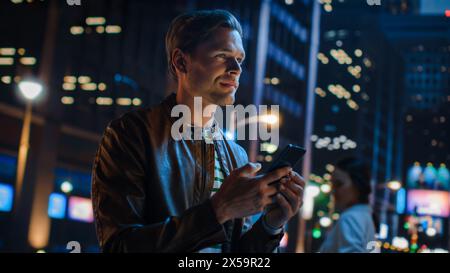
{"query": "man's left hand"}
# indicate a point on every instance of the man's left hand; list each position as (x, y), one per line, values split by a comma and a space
(289, 200)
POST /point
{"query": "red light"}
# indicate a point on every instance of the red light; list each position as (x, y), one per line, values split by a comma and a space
(447, 13)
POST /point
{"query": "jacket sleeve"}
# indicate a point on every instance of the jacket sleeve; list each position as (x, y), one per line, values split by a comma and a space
(257, 240)
(119, 197)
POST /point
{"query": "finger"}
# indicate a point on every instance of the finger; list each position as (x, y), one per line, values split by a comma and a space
(269, 200)
(270, 189)
(298, 190)
(298, 179)
(290, 196)
(248, 169)
(276, 175)
(283, 203)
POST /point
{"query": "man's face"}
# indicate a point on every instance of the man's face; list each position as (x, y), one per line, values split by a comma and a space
(214, 68)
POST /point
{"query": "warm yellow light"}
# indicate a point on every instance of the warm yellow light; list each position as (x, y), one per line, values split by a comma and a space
(70, 79)
(21, 51)
(6, 79)
(100, 29)
(6, 61)
(28, 60)
(330, 168)
(367, 62)
(104, 101)
(319, 91)
(123, 101)
(68, 86)
(94, 21)
(269, 147)
(76, 30)
(89, 86)
(352, 104)
(7, 51)
(67, 100)
(275, 81)
(84, 79)
(269, 119)
(356, 88)
(102, 86)
(358, 52)
(113, 29)
(137, 101)
(394, 185)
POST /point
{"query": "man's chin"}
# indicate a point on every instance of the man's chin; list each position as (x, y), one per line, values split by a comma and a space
(223, 99)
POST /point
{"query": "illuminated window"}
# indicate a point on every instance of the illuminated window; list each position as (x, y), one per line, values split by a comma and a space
(6, 61)
(57, 206)
(113, 29)
(6, 79)
(80, 209)
(28, 60)
(104, 101)
(76, 30)
(94, 21)
(6, 197)
(67, 100)
(9, 51)
(123, 101)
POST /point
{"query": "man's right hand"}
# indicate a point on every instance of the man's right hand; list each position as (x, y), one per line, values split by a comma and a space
(243, 194)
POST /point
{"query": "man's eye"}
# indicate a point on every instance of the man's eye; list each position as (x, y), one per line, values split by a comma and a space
(221, 56)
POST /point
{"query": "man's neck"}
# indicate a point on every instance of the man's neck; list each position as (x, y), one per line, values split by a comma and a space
(203, 119)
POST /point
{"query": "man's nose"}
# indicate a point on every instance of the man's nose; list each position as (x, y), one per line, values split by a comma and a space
(234, 67)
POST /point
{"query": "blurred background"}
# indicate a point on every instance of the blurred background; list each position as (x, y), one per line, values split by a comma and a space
(369, 78)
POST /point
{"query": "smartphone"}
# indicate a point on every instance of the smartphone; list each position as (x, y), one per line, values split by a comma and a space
(290, 156)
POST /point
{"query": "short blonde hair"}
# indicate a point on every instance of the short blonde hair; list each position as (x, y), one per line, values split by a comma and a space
(189, 29)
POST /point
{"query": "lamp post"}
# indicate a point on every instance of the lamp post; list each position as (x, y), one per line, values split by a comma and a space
(30, 90)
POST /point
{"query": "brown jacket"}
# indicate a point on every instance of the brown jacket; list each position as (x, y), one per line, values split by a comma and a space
(151, 193)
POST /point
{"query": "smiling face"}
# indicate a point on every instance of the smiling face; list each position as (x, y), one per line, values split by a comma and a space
(213, 69)
(344, 192)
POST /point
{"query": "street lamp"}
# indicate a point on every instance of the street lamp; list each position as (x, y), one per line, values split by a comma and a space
(270, 119)
(30, 90)
(394, 185)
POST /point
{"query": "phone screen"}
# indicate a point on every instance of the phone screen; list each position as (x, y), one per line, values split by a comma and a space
(288, 157)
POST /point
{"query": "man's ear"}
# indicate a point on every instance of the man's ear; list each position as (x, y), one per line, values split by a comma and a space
(179, 60)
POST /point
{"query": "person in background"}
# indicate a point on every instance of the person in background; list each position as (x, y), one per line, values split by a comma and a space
(355, 229)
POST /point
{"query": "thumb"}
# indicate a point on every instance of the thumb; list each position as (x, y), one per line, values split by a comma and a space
(248, 169)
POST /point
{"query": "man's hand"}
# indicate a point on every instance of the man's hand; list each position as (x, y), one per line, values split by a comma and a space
(289, 200)
(243, 194)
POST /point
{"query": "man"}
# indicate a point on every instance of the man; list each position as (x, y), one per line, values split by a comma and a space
(152, 193)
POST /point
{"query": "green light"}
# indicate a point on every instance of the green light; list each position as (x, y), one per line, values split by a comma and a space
(406, 225)
(316, 233)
